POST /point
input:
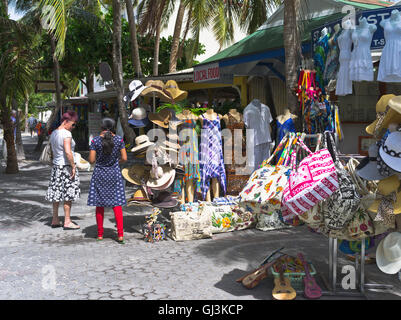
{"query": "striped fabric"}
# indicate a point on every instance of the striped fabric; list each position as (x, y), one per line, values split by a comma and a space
(315, 180)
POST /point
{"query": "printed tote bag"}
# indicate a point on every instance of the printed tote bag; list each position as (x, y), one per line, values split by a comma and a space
(314, 180)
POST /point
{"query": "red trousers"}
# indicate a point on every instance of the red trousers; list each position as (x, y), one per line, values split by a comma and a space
(118, 214)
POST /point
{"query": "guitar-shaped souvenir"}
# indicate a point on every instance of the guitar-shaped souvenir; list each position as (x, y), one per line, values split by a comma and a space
(282, 286)
(311, 290)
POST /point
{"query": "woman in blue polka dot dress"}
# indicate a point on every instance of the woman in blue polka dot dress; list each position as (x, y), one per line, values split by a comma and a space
(106, 186)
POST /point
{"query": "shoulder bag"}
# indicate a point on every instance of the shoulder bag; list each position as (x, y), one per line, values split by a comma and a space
(47, 155)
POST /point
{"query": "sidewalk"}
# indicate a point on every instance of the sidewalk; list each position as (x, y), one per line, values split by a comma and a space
(31, 252)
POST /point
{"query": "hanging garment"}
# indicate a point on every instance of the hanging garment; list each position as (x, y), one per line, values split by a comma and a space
(320, 57)
(284, 128)
(361, 65)
(344, 84)
(212, 162)
(233, 124)
(390, 61)
(332, 63)
(188, 156)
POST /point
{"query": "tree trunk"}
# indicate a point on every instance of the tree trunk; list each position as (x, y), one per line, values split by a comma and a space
(90, 86)
(176, 38)
(11, 161)
(18, 138)
(271, 105)
(26, 114)
(55, 111)
(157, 38)
(5, 6)
(136, 62)
(292, 49)
(118, 72)
(181, 47)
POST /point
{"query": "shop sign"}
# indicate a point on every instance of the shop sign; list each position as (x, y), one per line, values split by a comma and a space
(372, 16)
(47, 87)
(207, 73)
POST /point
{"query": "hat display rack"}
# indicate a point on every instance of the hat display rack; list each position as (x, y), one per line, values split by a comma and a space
(153, 178)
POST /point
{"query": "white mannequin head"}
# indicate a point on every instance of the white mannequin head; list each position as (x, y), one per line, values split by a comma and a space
(363, 21)
(347, 24)
(395, 15)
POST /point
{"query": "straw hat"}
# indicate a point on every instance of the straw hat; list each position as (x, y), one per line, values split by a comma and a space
(136, 87)
(390, 151)
(139, 196)
(161, 118)
(391, 116)
(171, 145)
(136, 174)
(395, 104)
(177, 94)
(385, 187)
(388, 253)
(142, 144)
(162, 178)
(367, 169)
(156, 87)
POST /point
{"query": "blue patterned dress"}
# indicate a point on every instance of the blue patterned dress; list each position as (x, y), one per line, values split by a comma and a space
(212, 161)
(107, 186)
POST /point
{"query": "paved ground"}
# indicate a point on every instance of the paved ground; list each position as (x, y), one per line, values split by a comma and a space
(37, 262)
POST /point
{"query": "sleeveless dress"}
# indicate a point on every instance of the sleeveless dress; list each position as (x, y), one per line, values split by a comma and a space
(320, 57)
(233, 124)
(212, 161)
(107, 187)
(390, 61)
(361, 65)
(188, 155)
(283, 128)
(344, 84)
(332, 64)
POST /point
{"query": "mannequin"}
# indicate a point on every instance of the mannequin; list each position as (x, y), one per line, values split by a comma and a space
(233, 112)
(188, 191)
(211, 115)
(285, 116)
(390, 65)
(361, 65)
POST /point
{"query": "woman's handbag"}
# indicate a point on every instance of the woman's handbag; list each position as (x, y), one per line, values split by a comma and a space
(47, 155)
(314, 180)
(265, 186)
(339, 209)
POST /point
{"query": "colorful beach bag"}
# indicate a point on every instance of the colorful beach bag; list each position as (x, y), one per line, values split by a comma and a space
(313, 181)
(266, 185)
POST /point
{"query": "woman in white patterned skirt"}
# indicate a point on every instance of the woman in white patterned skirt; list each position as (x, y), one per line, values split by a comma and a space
(64, 181)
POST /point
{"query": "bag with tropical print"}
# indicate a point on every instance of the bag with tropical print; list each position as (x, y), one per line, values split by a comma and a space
(265, 186)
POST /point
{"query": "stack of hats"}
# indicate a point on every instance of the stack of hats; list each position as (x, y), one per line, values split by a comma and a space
(137, 175)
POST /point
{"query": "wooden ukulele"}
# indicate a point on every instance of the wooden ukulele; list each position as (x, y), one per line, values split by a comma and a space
(282, 286)
(311, 290)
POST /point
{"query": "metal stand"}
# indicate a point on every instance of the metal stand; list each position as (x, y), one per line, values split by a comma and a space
(334, 287)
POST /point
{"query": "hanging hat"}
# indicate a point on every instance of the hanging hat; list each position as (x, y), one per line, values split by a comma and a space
(388, 253)
(164, 200)
(384, 115)
(162, 178)
(137, 174)
(161, 118)
(395, 104)
(173, 136)
(177, 94)
(367, 169)
(171, 145)
(156, 87)
(136, 87)
(142, 144)
(385, 188)
(390, 151)
(139, 118)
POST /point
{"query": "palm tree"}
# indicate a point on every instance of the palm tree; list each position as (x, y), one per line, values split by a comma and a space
(118, 72)
(136, 62)
(176, 37)
(292, 51)
(17, 63)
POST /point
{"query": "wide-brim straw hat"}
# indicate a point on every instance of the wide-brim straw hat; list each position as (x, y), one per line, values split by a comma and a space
(161, 118)
(390, 117)
(156, 87)
(171, 145)
(136, 174)
(385, 187)
(165, 178)
(176, 93)
(390, 151)
(388, 253)
(395, 104)
(139, 196)
(142, 144)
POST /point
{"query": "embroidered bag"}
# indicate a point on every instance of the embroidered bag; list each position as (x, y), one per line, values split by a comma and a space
(339, 209)
(314, 180)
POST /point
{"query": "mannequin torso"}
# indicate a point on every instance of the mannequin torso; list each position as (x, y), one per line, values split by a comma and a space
(186, 115)
(285, 116)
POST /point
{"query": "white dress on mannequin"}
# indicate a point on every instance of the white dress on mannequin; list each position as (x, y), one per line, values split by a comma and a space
(361, 65)
(390, 61)
(344, 84)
